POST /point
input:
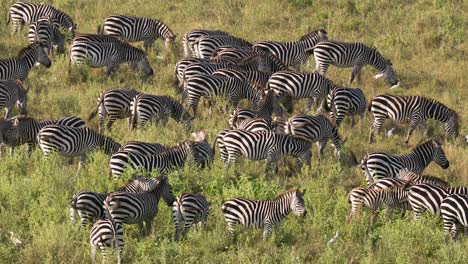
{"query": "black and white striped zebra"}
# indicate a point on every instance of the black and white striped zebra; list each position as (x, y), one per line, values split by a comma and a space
(210, 86)
(267, 106)
(13, 93)
(189, 39)
(206, 45)
(266, 214)
(189, 210)
(293, 53)
(45, 31)
(379, 165)
(143, 148)
(110, 55)
(258, 77)
(134, 29)
(289, 85)
(416, 109)
(114, 103)
(454, 211)
(107, 234)
(346, 101)
(26, 12)
(356, 55)
(18, 68)
(407, 175)
(264, 145)
(138, 208)
(72, 141)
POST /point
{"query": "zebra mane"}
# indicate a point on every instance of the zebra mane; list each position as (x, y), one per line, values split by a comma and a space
(313, 34)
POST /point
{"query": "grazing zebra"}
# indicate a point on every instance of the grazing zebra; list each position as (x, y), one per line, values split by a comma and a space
(266, 214)
(25, 12)
(11, 93)
(315, 128)
(143, 148)
(114, 103)
(356, 55)
(454, 211)
(258, 77)
(346, 101)
(407, 175)
(106, 234)
(416, 109)
(187, 210)
(72, 141)
(110, 55)
(289, 85)
(145, 108)
(134, 29)
(293, 53)
(96, 38)
(267, 106)
(18, 68)
(210, 86)
(206, 45)
(264, 145)
(138, 208)
(379, 165)
(429, 197)
(189, 39)
(45, 32)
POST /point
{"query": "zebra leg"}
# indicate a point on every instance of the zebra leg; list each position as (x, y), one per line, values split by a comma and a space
(411, 128)
(376, 126)
(310, 101)
(356, 72)
(352, 121)
(266, 231)
(374, 215)
(81, 162)
(93, 254)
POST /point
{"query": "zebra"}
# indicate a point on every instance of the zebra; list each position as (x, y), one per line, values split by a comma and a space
(415, 108)
(258, 77)
(114, 103)
(72, 141)
(25, 12)
(407, 175)
(356, 55)
(264, 145)
(106, 233)
(134, 29)
(147, 107)
(138, 208)
(206, 45)
(315, 128)
(143, 148)
(87, 205)
(45, 31)
(189, 210)
(346, 101)
(454, 211)
(429, 197)
(267, 106)
(253, 125)
(210, 86)
(379, 165)
(266, 214)
(293, 53)
(11, 93)
(110, 55)
(289, 85)
(18, 68)
(189, 39)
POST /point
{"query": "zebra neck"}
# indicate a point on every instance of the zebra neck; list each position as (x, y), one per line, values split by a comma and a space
(376, 60)
(420, 157)
(28, 60)
(282, 205)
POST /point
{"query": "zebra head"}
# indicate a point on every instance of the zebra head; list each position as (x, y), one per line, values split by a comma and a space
(438, 154)
(452, 125)
(145, 66)
(388, 73)
(297, 203)
(166, 190)
(35, 53)
(6, 131)
(22, 101)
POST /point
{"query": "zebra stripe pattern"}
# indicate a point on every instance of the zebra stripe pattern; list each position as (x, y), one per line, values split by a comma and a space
(13, 93)
(97, 38)
(45, 32)
(356, 55)
(269, 62)
(407, 175)
(253, 125)
(206, 45)
(266, 214)
(416, 109)
(189, 210)
(454, 211)
(258, 77)
(106, 234)
(267, 106)
(143, 148)
(379, 165)
(189, 39)
(18, 68)
(346, 101)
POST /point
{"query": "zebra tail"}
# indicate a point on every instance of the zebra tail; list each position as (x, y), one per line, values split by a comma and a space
(100, 29)
(8, 17)
(72, 204)
(94, 113)
(369, 104)
(134, 115)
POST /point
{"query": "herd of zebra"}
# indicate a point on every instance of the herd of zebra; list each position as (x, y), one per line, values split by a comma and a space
(217, 64)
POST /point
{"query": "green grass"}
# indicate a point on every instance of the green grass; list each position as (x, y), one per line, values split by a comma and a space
(425, 41)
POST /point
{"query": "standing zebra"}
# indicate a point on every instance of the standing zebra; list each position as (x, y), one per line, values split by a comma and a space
(206, 45)
(45, 31)
(114, 103)
(346, 101)
(110, 55)
(356, 55)
(138, 208)
(71, 141)
(187, 210)
(25, 12)
(105, 234)
(416, 109)
(19, 67)
(379, 165)
(454, 211)
(289, 85)
(189, 39)
(134, 29)
(293, 53)
(266, 214)
(11, 93)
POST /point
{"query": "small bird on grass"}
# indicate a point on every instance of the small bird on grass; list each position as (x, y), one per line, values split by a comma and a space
(18, 243)
(334, 238)
(390, 132)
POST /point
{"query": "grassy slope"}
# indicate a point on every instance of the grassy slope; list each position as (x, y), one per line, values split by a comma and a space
(424, 39)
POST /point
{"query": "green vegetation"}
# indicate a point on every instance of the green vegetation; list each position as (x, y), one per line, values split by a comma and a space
(425, 41)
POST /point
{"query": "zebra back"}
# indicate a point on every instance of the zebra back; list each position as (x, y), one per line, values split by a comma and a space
(191, 37)
(143, 148)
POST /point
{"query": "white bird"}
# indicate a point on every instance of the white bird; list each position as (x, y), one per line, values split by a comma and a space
(466, 138)
(390, 132)
(334, 238)
(18, 243)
